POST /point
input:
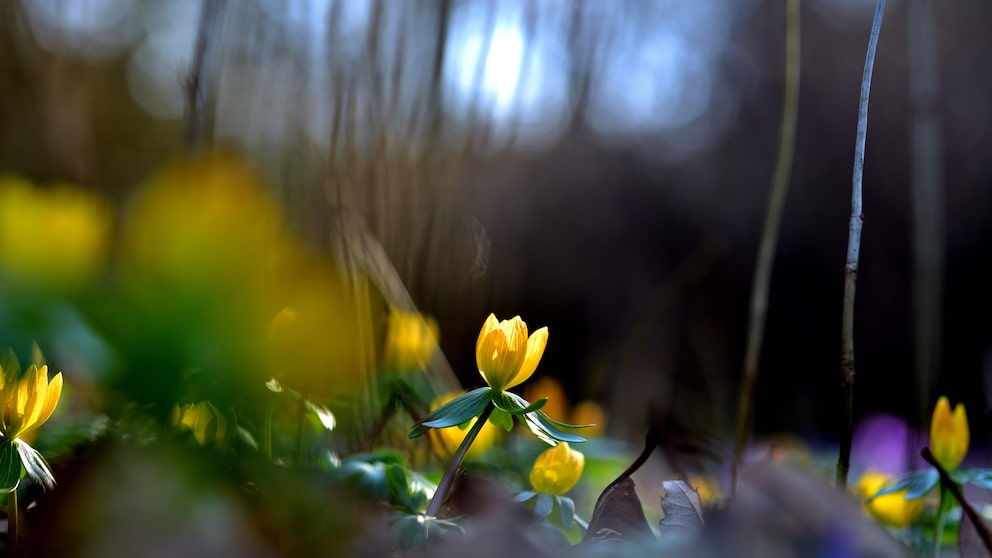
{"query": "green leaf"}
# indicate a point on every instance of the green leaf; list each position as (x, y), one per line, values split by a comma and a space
(544, 505)
(524, 496)
(370, 478)
(566, 509)
(982, 478)
(35, 465)
(454, 412)
(499, 418)
(9, 364)
(322, 414)
(544, 429)
(416, 530)
(916, 484)
(515, 405)
(10, 466)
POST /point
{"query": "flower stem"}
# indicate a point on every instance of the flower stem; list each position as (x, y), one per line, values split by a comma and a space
(12, 520)
(456, 461)
(943, 507)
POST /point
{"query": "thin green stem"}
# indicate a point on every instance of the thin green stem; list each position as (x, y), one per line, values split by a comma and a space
(769, 236)
(12, 526)
(268, 415)
(449, 474)
(851, 265)
(938, 532)
(301, 424)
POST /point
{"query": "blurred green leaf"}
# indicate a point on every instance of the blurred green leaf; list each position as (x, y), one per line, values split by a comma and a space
(35, 465)
(916, 484)
(10, 466)
(499, 418)
(566, 510)
(324, 417)
(416, 530)
(524, 496)
(544, 505)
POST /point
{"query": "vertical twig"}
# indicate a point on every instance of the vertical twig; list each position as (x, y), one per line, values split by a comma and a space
(851, 266)
(199, 97)
(769, 236)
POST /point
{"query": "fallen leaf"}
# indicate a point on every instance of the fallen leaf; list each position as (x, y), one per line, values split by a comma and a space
(682, 508)
(618, 515)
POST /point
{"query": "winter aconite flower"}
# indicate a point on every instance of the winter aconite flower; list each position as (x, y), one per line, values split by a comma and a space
(505, 354)
(557, 470)
(891, 509)
(27, 402)
(949, 434)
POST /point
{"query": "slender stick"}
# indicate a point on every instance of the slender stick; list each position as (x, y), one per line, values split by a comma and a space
(449, 474)
(955, 490)
(769, 236)
(851, 266)
(199, 94)
(12, 526)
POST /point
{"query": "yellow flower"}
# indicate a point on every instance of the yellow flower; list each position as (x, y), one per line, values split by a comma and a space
(505, 354)
(590, 412)
(892, 509)
(447, 440)
(949, 434)
(57, 238)
(27, 402)
(202, 419)
(548, 386)
(557, 469)
(411, 339)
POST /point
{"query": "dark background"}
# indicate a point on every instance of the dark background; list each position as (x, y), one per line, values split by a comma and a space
(636, 249)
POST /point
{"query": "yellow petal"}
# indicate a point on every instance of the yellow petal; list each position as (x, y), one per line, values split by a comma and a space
(535, 350)
(51, 400)
(557, 469)
(498, 364)
(949, 435)
(490, 324)
(892, 509)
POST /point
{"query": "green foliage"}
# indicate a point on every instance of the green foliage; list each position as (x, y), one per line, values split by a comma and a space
(383, 476)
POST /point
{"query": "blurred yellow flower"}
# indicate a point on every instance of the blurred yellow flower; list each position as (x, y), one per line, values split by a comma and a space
(891, 509)
(949, 435)
(206, 423)
(447, 440)
(411, 340)
(57, 238)
(589, 412)
(707, 487)
(206, 255)
(557, 469)
(316, 341)
(26, 402)
(505, 354)
(586, 412)
(205, 222)
(550, 387)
